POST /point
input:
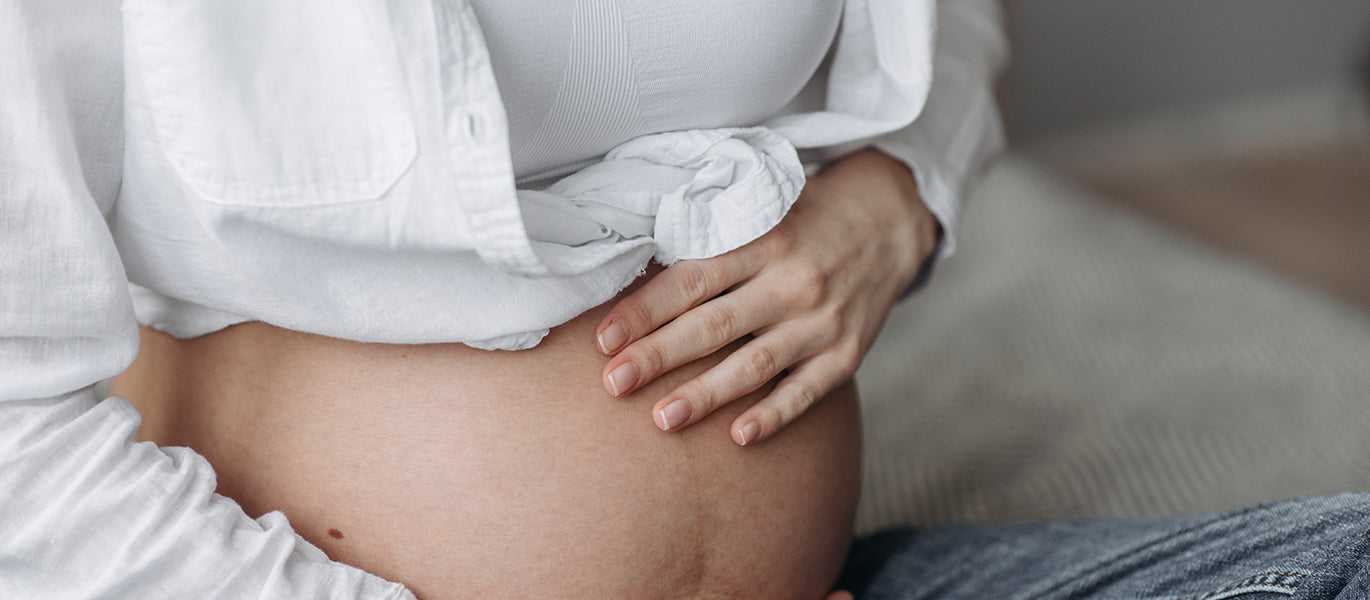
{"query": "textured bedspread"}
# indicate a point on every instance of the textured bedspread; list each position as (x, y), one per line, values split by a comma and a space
(1077, 360)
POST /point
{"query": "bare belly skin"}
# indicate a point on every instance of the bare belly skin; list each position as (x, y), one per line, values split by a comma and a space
(463, 473)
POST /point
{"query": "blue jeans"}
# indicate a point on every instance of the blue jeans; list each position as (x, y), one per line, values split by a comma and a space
(1291, 549)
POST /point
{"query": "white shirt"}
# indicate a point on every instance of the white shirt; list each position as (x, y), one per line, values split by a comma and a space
(140, 148)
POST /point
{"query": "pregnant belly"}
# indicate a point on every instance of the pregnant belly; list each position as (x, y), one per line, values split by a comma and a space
(463, 473)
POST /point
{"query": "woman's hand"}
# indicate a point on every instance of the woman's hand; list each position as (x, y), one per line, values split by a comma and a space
(813, 292)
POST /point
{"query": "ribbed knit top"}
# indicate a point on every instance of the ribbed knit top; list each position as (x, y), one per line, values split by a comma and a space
(579, 77)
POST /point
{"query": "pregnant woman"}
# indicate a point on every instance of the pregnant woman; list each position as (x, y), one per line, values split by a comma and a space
(489, 299)
(507, 299)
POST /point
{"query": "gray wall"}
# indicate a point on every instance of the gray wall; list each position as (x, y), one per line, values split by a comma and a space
(1080, 63)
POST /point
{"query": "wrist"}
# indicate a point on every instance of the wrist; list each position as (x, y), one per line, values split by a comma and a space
(892, 190)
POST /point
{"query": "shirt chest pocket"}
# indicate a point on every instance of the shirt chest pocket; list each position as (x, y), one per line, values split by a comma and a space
(265, 103)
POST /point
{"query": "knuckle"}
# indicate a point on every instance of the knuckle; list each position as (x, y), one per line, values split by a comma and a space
(649, 359)
(848, 357)
(770, 418)
(825, 329)
(775, 296)
(695, 280)
(718, 326)
(759, 364)
(786, 404)
(827, 335)
(702, 399)
(804, 394)
(636, 315)
(809, 284)
(830, 319)
(822, 337)
(781, 239)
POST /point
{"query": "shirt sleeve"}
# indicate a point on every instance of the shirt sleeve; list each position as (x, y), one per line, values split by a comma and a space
(959, 129)
(86, 511)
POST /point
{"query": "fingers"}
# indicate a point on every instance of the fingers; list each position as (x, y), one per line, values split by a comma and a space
(794, 395)
(740, 373)
(697, 333)
(679, 288)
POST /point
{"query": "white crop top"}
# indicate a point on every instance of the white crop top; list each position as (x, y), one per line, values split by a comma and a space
(579, 77)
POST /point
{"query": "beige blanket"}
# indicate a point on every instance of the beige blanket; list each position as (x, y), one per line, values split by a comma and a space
(1073, 359)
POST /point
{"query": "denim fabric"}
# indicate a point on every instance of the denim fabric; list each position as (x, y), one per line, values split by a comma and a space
(1291, 549)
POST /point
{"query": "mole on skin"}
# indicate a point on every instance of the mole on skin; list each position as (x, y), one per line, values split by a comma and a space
(335, 534)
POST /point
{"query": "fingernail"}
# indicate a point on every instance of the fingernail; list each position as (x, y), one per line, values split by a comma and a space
(623, 378)
(674, 414)
(612, 338)
(749, 433)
